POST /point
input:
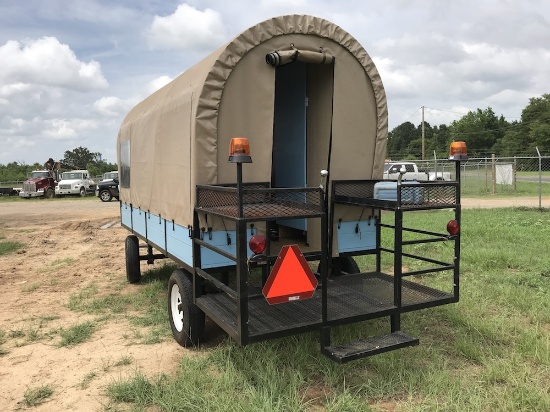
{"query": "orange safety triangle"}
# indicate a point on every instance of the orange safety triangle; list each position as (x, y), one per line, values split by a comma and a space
(291, 278)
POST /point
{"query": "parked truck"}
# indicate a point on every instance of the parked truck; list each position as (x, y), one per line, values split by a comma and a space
(410, 171)
(109, 176)
(9, 191)
(75, 182)
(283, 236)
(41, 183)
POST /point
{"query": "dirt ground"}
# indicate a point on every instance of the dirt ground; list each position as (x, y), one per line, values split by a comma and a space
(69, 244)
(493, 202)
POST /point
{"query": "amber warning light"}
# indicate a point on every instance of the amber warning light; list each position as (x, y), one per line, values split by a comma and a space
(239, 150)
(458, 151)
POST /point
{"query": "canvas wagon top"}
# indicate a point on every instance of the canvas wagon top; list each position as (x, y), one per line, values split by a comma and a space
(284, 79)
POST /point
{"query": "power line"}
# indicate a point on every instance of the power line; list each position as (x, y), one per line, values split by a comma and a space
(412, 114)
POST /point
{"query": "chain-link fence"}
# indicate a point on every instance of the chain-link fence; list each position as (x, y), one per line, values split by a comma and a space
(499, 181)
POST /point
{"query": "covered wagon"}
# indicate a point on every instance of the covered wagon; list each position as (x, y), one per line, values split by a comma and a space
(255, 171)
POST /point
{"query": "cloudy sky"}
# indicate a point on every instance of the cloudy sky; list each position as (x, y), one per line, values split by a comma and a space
(71, 69)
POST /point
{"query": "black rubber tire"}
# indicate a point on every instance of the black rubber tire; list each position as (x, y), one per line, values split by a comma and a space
(348, 265)
(344, 265)
(50, 193)
(82, 191)
(105, 196)
(133, 272)
(186, 319)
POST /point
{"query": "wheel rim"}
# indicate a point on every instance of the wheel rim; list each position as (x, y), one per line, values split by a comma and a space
(105, 196)
(175, 305)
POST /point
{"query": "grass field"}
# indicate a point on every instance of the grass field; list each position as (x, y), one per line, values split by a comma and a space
(534, 174)
(490, 351)
(42, 199)
(476, 186)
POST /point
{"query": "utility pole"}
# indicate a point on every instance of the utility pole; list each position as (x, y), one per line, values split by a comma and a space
(423, 144)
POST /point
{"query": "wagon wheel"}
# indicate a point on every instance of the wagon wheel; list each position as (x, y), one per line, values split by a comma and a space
(343, 265)
(348, 265)
(133, 272)
(186, 319)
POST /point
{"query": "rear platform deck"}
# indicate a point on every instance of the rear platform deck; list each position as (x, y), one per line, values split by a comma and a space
(351, 298)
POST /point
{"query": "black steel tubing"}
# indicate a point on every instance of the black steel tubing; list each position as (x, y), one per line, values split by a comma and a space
(419, 231)
(431, 270)
(431, 240)
(220, 285)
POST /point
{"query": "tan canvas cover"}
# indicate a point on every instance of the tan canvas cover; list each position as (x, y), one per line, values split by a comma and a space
(179, 136)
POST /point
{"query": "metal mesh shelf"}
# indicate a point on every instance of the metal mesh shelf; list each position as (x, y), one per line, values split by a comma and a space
(417, 195)
(260, 202)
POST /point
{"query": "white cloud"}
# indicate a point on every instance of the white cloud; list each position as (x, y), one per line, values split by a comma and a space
(283, 3)
(509, 98)
(280, 7)
(112, 106)
(394, 78)
(59, 129)
(44, 94)
(187, 28)
(157, 83)
(47, 62)
(115, 107)
(8, 90)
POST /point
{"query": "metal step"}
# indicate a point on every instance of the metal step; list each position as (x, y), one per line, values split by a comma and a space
(370, 346)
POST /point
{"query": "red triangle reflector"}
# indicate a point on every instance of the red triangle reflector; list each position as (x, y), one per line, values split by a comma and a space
(291, 278)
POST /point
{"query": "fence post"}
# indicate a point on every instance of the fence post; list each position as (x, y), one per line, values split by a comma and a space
(540, 178)
(435, 165)
(514, 170)
(486, 177)
(493, 161)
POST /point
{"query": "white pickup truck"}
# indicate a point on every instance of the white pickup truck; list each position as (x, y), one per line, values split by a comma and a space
(393, 169)
(75, 182)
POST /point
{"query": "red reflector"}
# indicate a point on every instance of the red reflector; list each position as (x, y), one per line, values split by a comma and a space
(291, 278)
(257, 244)
(452, 227)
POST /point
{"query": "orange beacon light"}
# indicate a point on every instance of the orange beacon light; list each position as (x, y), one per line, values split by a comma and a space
(239, 150)
(458, 151)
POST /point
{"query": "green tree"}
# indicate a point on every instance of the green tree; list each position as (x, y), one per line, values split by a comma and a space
(81, 158)
(405, 141)
(481, 130)
(533, 131)
(17, 172)
(101, 167)
(399, 140)
(439, 141)
(513, 142)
